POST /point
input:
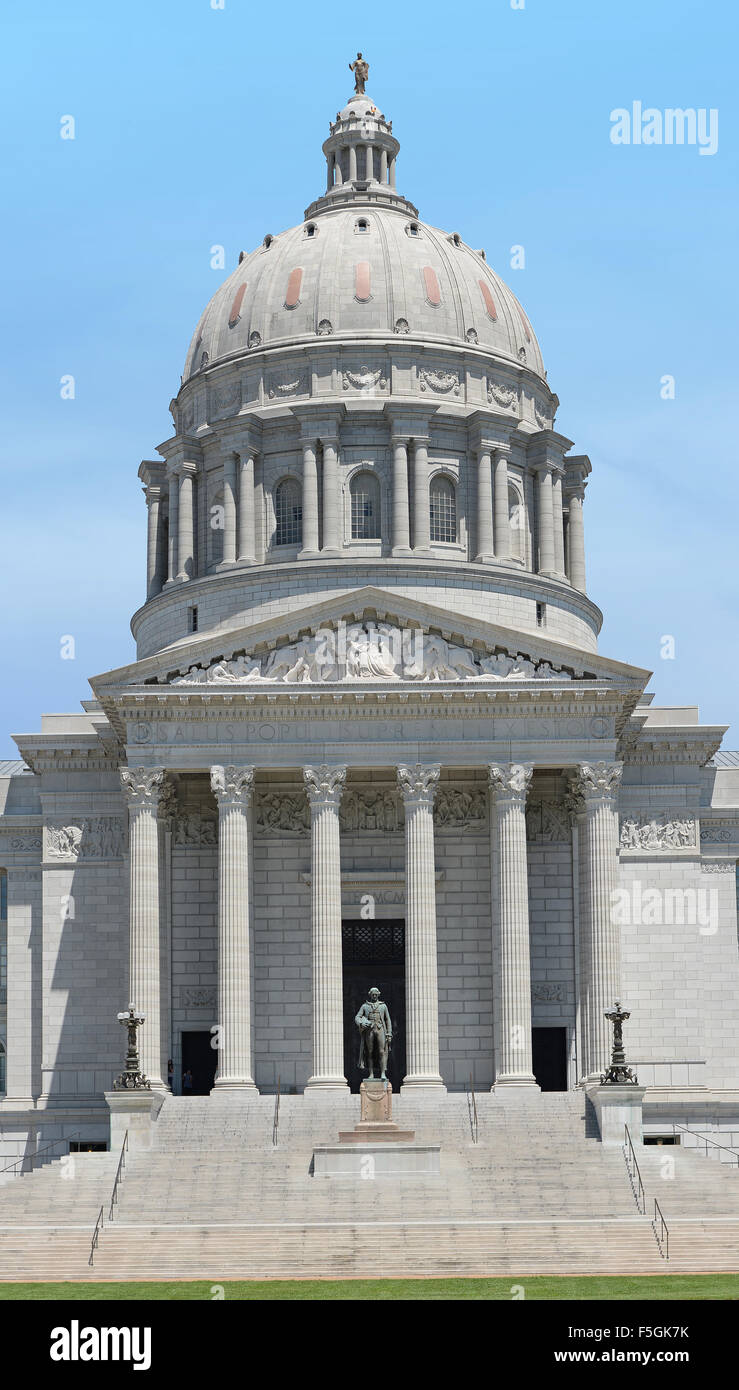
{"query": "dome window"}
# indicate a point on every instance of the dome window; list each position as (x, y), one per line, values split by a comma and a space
(361, 225)
(289, 513)
(365, 499)
(204, 359)
(311, 229)
(267, 241)
(292, 294)
(455, 239)
(413, 229)
(443, 511)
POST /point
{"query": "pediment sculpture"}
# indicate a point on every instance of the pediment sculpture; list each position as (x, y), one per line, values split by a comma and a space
(371, 651)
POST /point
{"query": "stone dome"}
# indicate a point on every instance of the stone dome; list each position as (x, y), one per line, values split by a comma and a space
(363, 271)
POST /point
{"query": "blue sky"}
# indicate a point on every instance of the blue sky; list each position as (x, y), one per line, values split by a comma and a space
(197, 126)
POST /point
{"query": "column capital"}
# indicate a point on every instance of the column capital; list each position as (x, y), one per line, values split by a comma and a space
(232, 786)
(153, 492)
(324, 784)
(184, 468)
(418, 783)
(597, 781)
(577, 470)
(510, 780)
(142, 786)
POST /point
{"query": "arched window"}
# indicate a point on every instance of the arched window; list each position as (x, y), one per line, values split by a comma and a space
(517, 521)
(443, 511)
(289, 513)
(365, 498)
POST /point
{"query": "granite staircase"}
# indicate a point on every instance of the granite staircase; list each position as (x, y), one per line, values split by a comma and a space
(215, 1199)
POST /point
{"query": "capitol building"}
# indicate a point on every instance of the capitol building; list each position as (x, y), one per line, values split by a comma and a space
(369, 737)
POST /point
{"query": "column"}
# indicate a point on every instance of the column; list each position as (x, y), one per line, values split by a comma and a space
(597, 785)
(142, 787)
(25, 994)
(331, 537)
(338, 176)
(509, 783)
(418, 784)
(173, 523)
(576, 540)
(383, 166)
(502, 515)
(420, 495)
(247, 552)
(559, 529)
(229, 510)
(153, 539)
(310, 499)
(324, 786)
(485, 544)
(401, 518)
(392, 172)
(352, 163)
(369, 155)
(185, 530)
(545, 519)
(232, 787)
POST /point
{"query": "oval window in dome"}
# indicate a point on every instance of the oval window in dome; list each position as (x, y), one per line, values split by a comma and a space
(433, 293)
(362, 281)
(292, 297)
(235, 313)
(488, 298)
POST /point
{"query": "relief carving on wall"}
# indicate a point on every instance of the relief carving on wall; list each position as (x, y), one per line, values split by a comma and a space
(370, 810)
(194, 826)
(547, 821)
(100, 837)
(369, 650)
(547, 992)
(364, 379)
(507, 396)
(439, 381)
(286, 383)
(660, 832)
(543, 418)
(21, 843)
(379, 809)
(222, 400)
(718, 866)
(281, 813)
(719, 833)
(197, 997)
(456, 808)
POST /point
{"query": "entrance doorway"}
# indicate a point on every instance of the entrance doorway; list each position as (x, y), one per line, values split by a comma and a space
(549, 1049)
(373, 953)
(201, 1059)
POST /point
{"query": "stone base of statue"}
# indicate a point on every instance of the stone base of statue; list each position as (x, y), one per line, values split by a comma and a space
(134, 1111)
(615, 1107)
(377, 1147)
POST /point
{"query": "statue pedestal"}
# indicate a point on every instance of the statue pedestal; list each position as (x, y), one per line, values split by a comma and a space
(135, 1112)
(376, 1121)
(377, 1147)
(616, 1106)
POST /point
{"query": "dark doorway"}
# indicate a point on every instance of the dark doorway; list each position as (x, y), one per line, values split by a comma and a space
(373, 953)
(201, 1059)
(549, 1047)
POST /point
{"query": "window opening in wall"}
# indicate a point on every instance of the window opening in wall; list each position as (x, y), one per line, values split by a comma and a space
(541, 615)
(289, 514)
(443, 511)
(365, 508)
(192, 618)
(310, 229)
(87, 1146)
(661, 1139)
(362, 225)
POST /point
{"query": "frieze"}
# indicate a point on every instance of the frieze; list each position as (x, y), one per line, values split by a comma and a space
(21, 841)
(469, 724)
(100, 837)
(662, 832)
(372, 810)
(718, 866)
(719, 832)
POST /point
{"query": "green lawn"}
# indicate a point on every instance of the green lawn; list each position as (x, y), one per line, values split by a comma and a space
(656, 1287)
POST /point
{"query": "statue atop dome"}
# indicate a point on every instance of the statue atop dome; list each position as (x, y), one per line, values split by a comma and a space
(360, 68)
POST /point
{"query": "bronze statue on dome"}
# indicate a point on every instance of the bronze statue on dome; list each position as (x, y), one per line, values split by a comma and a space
(360, 68)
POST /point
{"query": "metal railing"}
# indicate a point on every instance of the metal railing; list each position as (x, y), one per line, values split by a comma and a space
(662, 1234)
(633, 1171)
(705, 1140)
(118, 1175)
(276, 1120)
(472, 1110)
(96, 1237)
(25, 1158)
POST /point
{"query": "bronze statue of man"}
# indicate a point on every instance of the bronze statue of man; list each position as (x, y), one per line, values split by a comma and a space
(375, 1034)
(360, 68)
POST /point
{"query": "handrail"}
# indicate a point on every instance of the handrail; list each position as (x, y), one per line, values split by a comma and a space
(663, 1233)
(631, 1164)
(118, 1174)
(705, 1140)
(276, 1120)
(96, 1237)
(472, 1111)
(67, 1139)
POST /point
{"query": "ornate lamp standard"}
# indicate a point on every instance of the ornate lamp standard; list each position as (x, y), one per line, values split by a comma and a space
(618, 1074)
(132, 1079)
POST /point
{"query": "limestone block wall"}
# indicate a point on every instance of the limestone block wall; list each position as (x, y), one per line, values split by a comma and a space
(553, 1002)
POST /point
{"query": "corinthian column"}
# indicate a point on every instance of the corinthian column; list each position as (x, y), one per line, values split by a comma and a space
(596, 788)
(233, 788)
(418, 787)
(509, 784)
(324, 786)
(142, 787)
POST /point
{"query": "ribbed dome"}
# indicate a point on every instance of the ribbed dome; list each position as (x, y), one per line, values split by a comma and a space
(363, 271)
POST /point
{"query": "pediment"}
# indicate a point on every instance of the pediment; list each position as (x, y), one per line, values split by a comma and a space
(366, 635)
